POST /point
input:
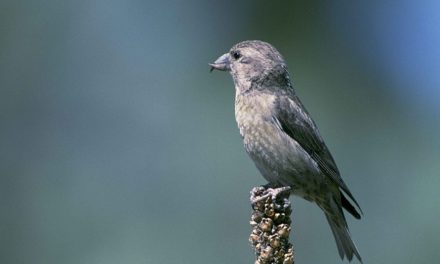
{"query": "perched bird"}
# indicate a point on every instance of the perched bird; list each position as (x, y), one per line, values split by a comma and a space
(282, 139)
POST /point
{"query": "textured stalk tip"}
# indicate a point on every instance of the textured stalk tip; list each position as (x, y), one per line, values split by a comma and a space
(270, 223)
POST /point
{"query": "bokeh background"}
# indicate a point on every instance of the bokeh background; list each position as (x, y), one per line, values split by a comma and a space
(118, 146)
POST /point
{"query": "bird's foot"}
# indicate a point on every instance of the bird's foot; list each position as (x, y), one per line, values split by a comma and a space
(263, 192)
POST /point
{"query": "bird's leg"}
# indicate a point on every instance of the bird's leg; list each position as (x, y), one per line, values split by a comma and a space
(263, 192)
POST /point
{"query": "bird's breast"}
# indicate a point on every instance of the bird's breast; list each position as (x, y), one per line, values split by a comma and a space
(275, 154)
(253, 112)
(262, 138)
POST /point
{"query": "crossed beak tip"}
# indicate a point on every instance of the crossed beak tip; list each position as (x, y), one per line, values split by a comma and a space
(221, 64)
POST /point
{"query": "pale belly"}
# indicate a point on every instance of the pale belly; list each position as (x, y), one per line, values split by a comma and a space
(279, 158)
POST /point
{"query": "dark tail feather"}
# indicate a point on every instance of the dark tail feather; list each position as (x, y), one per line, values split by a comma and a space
(346, 246)
(349, 207)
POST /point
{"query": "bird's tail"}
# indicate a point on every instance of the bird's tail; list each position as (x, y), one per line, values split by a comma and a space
(346, 246)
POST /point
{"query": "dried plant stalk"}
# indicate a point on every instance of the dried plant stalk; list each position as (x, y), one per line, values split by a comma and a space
(271, 225)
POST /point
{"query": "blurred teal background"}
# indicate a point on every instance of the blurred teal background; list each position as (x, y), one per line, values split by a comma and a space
(118, 146)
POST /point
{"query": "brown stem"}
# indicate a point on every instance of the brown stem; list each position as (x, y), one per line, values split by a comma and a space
(271, 226)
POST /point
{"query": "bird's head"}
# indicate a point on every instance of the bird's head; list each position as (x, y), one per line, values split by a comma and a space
(252, 61)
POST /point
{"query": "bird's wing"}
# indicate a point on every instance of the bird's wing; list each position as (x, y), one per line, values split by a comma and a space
(296, 122)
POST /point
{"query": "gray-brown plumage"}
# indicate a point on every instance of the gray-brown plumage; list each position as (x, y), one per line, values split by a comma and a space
(281, 137)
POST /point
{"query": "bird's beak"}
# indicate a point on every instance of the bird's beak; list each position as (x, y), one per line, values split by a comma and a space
(222, 63)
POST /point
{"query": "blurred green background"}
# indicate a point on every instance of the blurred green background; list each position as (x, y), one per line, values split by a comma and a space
(118, 146)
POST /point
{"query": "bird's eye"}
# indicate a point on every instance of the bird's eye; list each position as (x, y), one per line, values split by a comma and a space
(236, 55)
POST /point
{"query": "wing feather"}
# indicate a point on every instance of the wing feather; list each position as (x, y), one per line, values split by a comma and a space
(303, 130)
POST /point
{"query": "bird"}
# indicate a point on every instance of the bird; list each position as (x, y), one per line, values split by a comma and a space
(282, 139)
